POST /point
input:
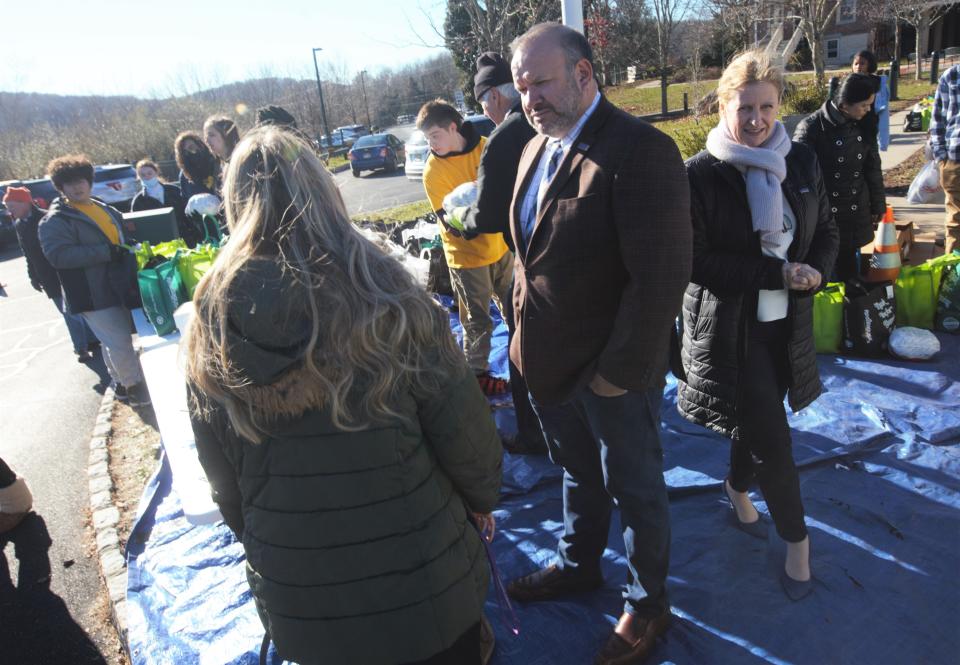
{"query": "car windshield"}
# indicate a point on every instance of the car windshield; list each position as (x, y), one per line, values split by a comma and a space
(417, 138)
(369, 141)
(115, 173)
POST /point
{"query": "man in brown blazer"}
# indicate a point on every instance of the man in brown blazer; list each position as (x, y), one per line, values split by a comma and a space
(601, 223)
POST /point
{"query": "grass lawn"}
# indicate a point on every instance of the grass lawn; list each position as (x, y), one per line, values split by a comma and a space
(641, 101)
(339, 160)
(910, 90)
(402, 213)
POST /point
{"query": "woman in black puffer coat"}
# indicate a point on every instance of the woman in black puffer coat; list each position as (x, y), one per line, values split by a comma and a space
(846, 147)
(763, 239)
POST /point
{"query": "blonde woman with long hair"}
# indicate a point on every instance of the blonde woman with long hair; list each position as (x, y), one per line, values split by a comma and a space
(345, 440)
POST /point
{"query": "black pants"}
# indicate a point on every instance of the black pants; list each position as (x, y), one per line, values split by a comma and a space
(762, 449)
(465, 651)
(847, 265)
(7, 476)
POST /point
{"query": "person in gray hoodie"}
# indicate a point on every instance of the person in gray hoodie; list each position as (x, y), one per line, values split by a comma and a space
(83, 239)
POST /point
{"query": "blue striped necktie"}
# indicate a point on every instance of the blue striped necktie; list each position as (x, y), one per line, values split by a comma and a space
(548, 172)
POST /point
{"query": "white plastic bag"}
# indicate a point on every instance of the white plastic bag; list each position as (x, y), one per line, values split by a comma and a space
(926, 186)
(455, 203)
(913, 343)
(416, 266)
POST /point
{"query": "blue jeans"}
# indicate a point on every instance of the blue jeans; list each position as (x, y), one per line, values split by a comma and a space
(609, 448)
(80, 333)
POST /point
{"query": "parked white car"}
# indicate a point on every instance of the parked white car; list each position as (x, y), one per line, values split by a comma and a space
(417, 152)
(115, 184)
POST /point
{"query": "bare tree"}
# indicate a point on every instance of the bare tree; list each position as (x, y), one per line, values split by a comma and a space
(815, 19)
(920, 15)
(667, 14)
(736, 18)
(878, 12)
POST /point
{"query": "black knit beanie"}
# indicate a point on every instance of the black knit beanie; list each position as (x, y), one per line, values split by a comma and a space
(492, 70)
(275, 115)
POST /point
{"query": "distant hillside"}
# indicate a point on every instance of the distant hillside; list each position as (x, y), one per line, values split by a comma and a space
(35, 128)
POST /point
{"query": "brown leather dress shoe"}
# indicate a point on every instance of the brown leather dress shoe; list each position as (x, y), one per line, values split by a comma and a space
(549, 583)
(619, 651)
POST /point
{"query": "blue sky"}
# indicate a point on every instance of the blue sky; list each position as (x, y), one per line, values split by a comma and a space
(160, 48)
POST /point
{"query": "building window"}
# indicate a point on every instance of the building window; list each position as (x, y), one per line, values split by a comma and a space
(833, 49)
(847, 13)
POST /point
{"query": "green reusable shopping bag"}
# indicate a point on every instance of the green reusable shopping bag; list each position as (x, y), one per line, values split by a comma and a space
(828, 318)
(948, 303)
(162, 291)
(143, 252)
(194, 264)
(917, 289)
(211, 231)
(169, 248)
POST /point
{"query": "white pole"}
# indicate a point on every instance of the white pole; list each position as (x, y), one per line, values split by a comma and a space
(572, 13)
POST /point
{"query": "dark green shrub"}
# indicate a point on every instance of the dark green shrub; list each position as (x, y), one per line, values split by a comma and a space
(803, 98)
(690, 135)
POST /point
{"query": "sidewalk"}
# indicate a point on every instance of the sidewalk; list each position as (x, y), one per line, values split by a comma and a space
(927, 218)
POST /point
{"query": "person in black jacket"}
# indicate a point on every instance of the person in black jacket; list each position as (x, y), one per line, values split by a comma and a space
(199, 169)
(763, 241)
(850, 159)
(154, 194)
(43, 276)
(493, 87)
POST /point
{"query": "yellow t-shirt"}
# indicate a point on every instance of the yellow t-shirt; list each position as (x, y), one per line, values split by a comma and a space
(441, 175)
(101, 217)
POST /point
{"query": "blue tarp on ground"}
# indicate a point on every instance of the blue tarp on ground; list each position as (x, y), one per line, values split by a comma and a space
(880, 457)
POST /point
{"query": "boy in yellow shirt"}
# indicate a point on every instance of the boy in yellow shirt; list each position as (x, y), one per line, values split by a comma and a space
(481, 265)
(83, 240)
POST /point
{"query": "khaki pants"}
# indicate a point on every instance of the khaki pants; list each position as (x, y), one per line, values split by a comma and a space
(950, 181)
(112, 328)
(473, 288)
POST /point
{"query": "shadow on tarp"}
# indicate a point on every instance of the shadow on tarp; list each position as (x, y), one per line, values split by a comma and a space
(881, 481)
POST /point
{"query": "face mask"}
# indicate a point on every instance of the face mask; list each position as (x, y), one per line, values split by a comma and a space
(149, 183)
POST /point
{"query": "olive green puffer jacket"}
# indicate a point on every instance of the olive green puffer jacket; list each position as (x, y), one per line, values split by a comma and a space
(358, 545)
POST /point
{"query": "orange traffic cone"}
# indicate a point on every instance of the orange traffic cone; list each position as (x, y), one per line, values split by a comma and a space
(888, 215)
(885, 260)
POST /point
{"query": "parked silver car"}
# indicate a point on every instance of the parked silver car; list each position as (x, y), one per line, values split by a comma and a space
(417, 152)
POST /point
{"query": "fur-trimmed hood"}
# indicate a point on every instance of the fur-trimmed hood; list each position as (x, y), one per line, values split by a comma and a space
(267, 328)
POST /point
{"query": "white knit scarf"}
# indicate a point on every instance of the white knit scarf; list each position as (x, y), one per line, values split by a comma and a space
(764, 169)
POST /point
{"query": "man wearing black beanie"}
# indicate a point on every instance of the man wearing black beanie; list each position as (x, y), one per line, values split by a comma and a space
(275, 115)
(493, 88)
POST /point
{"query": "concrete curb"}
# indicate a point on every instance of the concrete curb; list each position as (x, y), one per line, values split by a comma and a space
(105, 517)
(339, 169)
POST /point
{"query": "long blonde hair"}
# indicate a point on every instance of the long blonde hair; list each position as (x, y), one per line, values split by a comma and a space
(374, 332)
